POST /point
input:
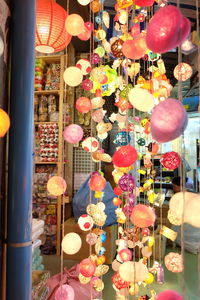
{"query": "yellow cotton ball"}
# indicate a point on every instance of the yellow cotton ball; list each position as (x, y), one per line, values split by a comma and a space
(149, 279)
(151, 241)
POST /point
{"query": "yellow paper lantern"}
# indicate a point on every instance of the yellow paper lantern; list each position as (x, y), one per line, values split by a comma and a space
(56, 186)
(4, 122)
(149, 279)
(74, 24)
(73, 76)
(141, 99)
(71, 243)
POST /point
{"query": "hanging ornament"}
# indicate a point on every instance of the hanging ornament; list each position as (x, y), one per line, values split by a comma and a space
(71, 243)
(51, 35)
(97, 182)
(83, 105)
(65, 291)
(4, 122)
(73, 76)
(135, 49)
(85, 34)
(87, 85)
(133, 271)
(170, 160)
(84, 65)
(141, 99)
(169, 295)
(125, 156)
(143, 216)
(144, 2)
(116, 48)
(56, 186)
(74, 24)
(90, 144)
(95, 6)
(87, 267)
(85, 222)
(84, 2)
(73, 133)
(106, 19)
(182, 72)
(119, 282)
(174, 262)
(127, 182)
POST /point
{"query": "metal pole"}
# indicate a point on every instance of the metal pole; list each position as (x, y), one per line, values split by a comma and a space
(20, 166)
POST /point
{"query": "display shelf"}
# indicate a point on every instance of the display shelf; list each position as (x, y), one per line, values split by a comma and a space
(47, 92)
(46, 162)
(47, 122)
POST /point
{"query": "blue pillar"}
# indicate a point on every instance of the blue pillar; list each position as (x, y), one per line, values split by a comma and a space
(19, 250)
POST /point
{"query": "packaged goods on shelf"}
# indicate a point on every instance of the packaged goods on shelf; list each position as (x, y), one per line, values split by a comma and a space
(53, 77)
(39, 74)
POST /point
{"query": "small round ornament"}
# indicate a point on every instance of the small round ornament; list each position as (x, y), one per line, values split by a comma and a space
(56, 186)
(91, 238)
(85, 222)
(87, 267)
(84, 65)
(174, 262)
(83, 279)
(83, 105)
(73, 133)
(183, 72)
(125, 255)
(127, 182)
(169, 295)
(116, 48)
(143, 216)
(170, 160)
(125, 156)
(95, 58)
(87, 84)
(71, 243)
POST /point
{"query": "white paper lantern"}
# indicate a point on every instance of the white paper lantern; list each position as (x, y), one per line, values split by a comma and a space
(84, 65)
(133, 271)
(90, 144)
(73, 76)
(71, 243)
(83, 2)
(85, 222)
(141, 99)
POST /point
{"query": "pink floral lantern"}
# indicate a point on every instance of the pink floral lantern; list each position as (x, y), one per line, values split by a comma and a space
(183, 72)
(125, 156)
(170, 160)
(174, 262)
(87, 267)
(119, 282)
(167, 29)
(125, 254)
(143, 216)
(127, 182)
(168, 121)
(169, 295)
(83, 105)
(73, 133)
(85, 34)
(65, 292)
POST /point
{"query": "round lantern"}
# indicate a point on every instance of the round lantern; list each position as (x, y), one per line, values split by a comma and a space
(116, 48)
(135, 49)
(169, 295)
(118, 282)
(71, 243)
(125, 255)
(90, 144)
(125, 156)
(143, 216)
(100, 51)
(56, 186)
(83, 105)
(4, 122)
(51, 35)
(183, 72)
(64, 291)
(167, 29)
(95, 6)
(141, 99)
(84, 65)
(144, 2)
(168, 120)
(73, 76)
(73, 133)
(135, 30)
(127, 182)
(149, 279)
(89, 25)
(170, 160)
(97, 182)
(84, 2)
(85, 34)
(174, 262)
(85, 222)
(133, 271)
(74, 24)
(87, 84)
(87, 267)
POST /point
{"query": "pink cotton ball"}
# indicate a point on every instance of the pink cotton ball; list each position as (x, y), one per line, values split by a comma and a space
(73, 133)
(66, 292)
(135, 49)
(97, 183)
(142, 216)
(83, 105)
(87, 84)
(85, 34)
(166, 30)
(169, 295)
(168, 121)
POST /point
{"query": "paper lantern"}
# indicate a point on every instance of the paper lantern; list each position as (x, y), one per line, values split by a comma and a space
(135, 30)
(83, 105)
(116, 48)
(144, 2)
(95, 6)
(84, 65)
(71, 243)
(149, 279)
(169, 295)
(168, 120)
(74, 24)
(84, 2)
(134, 289)
(85, 34)
(97, 182)
(117, 190)
(141, 99)
(133, 271)
(100, 51)
(117, 201)
(89, 25)
(135, 49)
(64, 291)
(87, 267)
(4, 122)
(51, 35)
(174, 262)
(143, 216)
(87, 84)
(73, 76)
(90, 144)
(125, 255)
(56, 186)
(118, 282)
(167, 29)
(73, 133)
(85, 222)
(100, 260)
(182, 72)
(127, 182)
(125, 156)
(95, 58)
(170, 160)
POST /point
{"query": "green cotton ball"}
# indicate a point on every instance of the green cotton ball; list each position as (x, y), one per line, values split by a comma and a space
(141, 142)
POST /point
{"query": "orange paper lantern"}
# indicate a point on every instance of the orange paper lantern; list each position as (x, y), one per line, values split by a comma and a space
(51, 35)
(4, 122)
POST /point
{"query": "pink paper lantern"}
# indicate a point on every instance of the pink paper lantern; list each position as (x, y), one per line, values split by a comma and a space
(73, 133)
(125, 156)
(144, 2)
(85, 34)
(87, 84)
(89, 26)
(56, 186)
(125, 255)
(174, 262)
(135, 49)
(143, 216)
(97, 182)
(65, 292)
(169, 295)
(168, 121)
(170, 160)
(87, 267)
(83, 105)
(167, 29)
(183, 72)
(135, 30)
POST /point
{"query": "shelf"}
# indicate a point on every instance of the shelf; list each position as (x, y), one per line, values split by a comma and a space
(50, 58)
(46, 162)
(47, 122)
(47, 92)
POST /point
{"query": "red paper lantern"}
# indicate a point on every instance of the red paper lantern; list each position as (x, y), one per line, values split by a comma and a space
(170, 160)
(143, 216)
(144, 2)
(51, 35)
(125, 156)
(97, 182)
(87, 267)
(119, 282)
(83, 105)
(135, 49)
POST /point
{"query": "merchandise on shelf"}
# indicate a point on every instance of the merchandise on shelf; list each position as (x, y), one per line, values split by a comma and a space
(53, 77)
(46, 108)
(39, 74)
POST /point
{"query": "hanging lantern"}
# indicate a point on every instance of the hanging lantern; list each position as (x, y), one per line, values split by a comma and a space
(85, 34)
(144, 2)
(127, 183)
(133, 271)
(85, 222)
(97, 182)
(170, 160)
(74, 24)
(141, 99)
(125, 254)
(83, 105)
(174, 262)
(116, 48)
(119, 282)
(71, 243)
(73, 76)
(143, 216)
(65, 291)
(56, 186)
(183, 72)
(135, 49)
(84, 65)
(73, 133)
(125, 156)
(87, 267)
(169, 295)
(51, 35)
(84, 2)
(4, 122)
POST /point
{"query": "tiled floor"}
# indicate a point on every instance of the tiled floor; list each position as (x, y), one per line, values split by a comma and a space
(186, 283)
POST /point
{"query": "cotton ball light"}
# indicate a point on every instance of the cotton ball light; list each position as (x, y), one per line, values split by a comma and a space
(135, 49)
(97, 182)
(100, 51)
(85, 34)
(73, 133)
(169, 295)
(56, 186)
(71, 243)
(170, 160)
(141, 99)
(87, 267)
(84, 65)
(166, 29)
(125, 156)
(83, 105)
(144, 2)
(133, 271)
(149, 279)
(90, 144)
(4, 122)
(85, 222)
(143, 216)
(182, 72)
(74, 24)
(84, 2)
(174, 262)
(65, 291)
(134, 289)
(125, 254)
(73, 76)
(168, 121)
